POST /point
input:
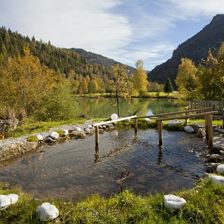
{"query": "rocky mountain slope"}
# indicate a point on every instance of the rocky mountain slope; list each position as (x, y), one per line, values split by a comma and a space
(195, 48)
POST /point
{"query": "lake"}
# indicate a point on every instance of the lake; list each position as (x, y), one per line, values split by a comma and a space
(104, 107)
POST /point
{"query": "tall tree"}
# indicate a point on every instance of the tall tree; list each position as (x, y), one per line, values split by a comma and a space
(211, 76)
(120, 83)
(186, 78)
(140, 79)
(168, 88)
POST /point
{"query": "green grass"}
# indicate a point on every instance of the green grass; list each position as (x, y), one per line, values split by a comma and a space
(173, 95)
(30, 126)
(32, 139)
(204, 205)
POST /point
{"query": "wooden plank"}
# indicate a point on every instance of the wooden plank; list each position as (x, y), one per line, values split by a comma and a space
(114, 121)
(160, 129)
(187, 116)
(209, 130)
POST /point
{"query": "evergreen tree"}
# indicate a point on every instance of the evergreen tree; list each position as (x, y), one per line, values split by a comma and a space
(168, 88)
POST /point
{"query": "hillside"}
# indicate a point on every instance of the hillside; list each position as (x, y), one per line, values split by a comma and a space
(195, 48)
(93, 58)
(65, 61)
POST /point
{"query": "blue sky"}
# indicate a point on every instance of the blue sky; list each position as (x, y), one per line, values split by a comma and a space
(125, 30)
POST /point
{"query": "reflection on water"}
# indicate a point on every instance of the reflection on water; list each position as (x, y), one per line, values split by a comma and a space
(68, 170)
(104, 107)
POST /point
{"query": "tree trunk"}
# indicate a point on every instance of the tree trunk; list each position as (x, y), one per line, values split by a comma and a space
(117, 100)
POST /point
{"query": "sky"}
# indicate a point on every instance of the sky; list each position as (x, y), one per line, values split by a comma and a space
(125, 30)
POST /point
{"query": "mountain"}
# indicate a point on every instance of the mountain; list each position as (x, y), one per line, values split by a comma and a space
(195, 48)
(93, 58)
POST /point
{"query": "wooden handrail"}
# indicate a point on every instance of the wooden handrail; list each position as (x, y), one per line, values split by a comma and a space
(179, 112)
(114, 121)
(187, 116)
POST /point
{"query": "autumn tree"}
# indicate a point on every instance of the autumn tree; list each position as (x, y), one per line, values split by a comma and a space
(140, 79)
(23, 82)
(29, 88)
(120, 83)
(211, 76)
(186, 78)
(93, 86)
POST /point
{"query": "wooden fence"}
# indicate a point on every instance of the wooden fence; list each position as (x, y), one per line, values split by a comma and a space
(215, 105)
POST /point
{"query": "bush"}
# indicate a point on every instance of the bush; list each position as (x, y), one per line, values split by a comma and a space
(59, 104)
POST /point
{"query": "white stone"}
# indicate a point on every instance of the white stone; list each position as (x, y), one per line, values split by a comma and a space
(13, 198)
(215, 156)
(216, 179)
(188, 129)
(173, 123)
(87, 131)
(114, 117)
(77, 129)
(47, 211)
(220, 169)
(4, 201)
(90, 126)
(66, 132)
(147, 119)
(40, 137)
(54, 135)
(174, 202)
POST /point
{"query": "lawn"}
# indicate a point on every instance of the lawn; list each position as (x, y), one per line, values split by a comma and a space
(205, 204)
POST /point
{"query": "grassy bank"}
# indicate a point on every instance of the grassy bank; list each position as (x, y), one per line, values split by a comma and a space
(143, 124)
(174, 95)
(205, 204)
(30, 126)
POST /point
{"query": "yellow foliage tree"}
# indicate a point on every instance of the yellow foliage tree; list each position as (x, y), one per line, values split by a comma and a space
(186, 78)
(140, 79)
(121, 85)
(24, 82)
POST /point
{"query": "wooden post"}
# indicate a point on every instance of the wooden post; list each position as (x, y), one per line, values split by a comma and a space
(223, 118)
(186, 108)
(160, 129)
(209, 130)
(96, 143)
(206, 127)
(136, 126)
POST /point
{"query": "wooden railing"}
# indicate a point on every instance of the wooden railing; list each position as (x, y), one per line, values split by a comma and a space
(207, 113)
(214, 104)
(208, 124)
(97, 125)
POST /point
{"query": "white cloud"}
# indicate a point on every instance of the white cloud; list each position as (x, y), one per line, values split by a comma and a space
(194, 8)
(137, 31)
(88, 24)
(152, 55)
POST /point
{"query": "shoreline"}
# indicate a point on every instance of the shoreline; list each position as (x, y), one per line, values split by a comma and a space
(12, 147)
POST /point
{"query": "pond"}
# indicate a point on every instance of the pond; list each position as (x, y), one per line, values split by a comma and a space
(69, 171)
(104, 107)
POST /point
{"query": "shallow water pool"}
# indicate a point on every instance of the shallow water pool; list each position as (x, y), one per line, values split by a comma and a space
(69, 170)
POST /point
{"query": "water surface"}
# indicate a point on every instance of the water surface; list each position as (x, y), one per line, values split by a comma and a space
(104, 107)
(68, 170)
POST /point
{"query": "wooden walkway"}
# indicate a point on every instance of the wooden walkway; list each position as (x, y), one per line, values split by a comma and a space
(206, 113)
